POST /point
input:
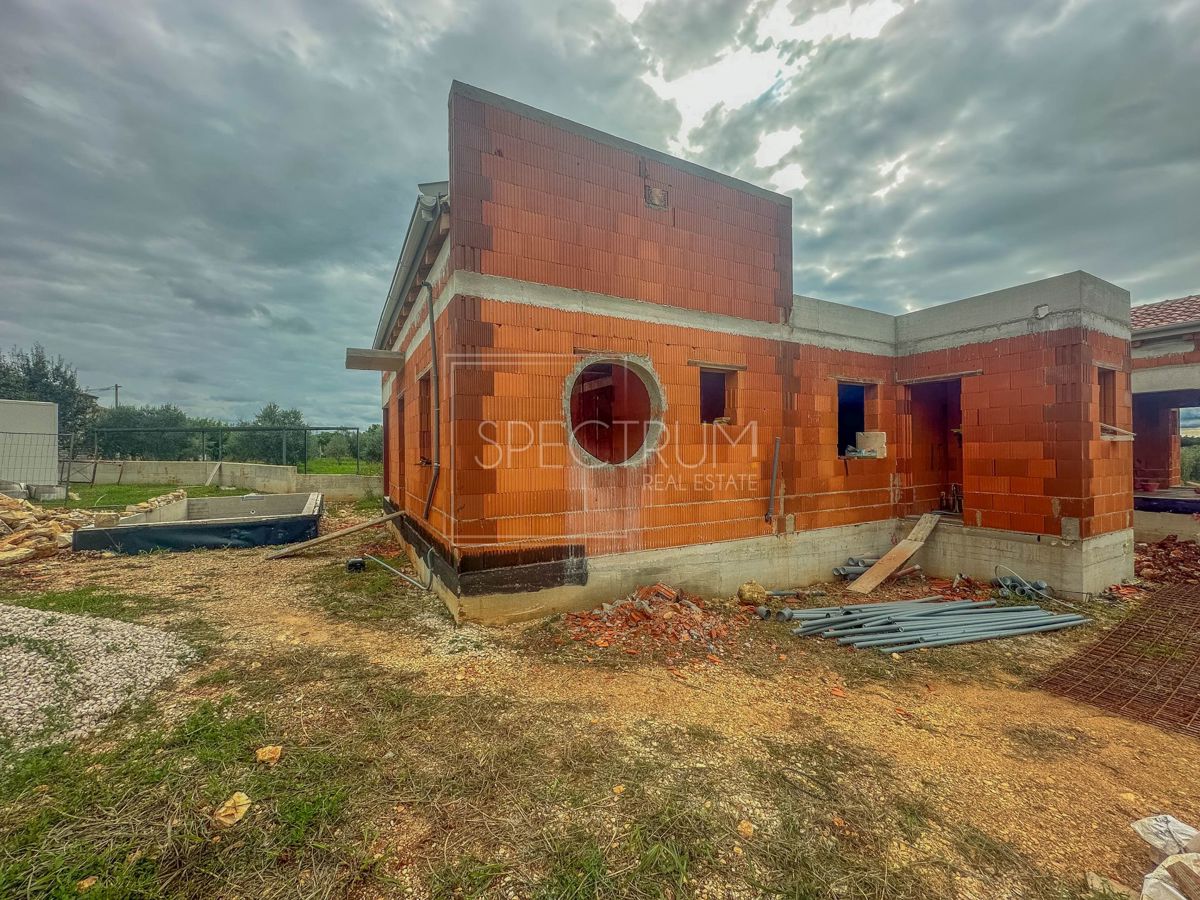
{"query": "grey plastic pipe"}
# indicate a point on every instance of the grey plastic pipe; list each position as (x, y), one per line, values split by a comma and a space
(969, 638)
(920, 634)
(916, 627)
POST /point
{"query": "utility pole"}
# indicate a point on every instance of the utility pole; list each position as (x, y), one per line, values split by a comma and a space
(115, 388)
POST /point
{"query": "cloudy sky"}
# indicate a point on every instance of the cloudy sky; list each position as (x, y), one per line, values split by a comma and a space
(205, 200)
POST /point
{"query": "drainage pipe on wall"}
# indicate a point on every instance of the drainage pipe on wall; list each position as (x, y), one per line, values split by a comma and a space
(774, 477)
(436, 398)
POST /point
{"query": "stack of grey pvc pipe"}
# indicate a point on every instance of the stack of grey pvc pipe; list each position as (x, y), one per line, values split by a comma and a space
(904, 625)
(855, 566)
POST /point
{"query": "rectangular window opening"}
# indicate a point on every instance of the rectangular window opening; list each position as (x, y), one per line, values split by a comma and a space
(425, 412)
(851, 415)
(1108, 397)
(716, 396)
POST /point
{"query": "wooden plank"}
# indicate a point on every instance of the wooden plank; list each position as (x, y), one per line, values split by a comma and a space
(213, 474)
(325, 538)
(896, 557)
(1185, 879)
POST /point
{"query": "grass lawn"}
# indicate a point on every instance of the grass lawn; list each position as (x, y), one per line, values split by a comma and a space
(101, 495)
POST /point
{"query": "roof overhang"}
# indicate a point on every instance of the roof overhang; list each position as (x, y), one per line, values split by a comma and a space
(432, 199)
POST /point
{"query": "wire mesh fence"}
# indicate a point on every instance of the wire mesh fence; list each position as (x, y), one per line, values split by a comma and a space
(57, 459)
(29, 458)
(310, 448)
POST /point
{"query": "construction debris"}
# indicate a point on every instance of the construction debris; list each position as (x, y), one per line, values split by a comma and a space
(904, 625)
(897, 556)
(156, 502)
(30, 532)
(1169, 561)
(655, 618)
(753, 594)
(332, 536)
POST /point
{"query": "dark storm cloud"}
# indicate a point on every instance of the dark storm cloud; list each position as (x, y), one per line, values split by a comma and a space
(205, 202)
(229, 184)
(1035, 138)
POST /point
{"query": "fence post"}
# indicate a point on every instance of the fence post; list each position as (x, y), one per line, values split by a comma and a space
(70, 461)
(285, 448)
(357, 451)
(305, 451)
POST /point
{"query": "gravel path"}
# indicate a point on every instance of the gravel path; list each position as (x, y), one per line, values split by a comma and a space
(63, 676)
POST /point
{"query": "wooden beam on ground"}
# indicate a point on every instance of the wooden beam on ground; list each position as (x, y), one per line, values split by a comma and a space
(374, 360)
(896, 557)
(1185, 879)
(325, 538)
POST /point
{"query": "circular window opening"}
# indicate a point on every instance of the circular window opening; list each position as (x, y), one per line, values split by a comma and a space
(610, 411)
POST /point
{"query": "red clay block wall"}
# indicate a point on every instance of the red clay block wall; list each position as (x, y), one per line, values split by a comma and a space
(706, 484)
(1032, 450)
(824, 489)
(539, 202)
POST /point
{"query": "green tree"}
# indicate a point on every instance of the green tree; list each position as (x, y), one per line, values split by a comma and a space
(34, 375)
(337, 445)
(274, 447)
(166, 444)
(372, 444)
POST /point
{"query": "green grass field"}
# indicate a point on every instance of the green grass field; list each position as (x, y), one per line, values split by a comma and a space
(104, 495)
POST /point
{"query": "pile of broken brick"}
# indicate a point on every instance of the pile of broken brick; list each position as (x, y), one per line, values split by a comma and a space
(1170, 561)
(657, 618)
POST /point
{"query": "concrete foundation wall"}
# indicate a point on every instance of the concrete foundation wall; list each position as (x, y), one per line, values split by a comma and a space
(1071, 568)
(1154, 526)
(255, 477)
(710, 570)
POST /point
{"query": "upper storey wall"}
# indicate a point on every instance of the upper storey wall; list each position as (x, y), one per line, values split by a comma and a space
(538, 198)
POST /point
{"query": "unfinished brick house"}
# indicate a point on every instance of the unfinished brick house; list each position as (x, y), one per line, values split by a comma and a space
(620, 387)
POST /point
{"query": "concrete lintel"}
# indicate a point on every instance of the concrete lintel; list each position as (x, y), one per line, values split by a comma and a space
(374, 360)
(1166, 378)
(816, 323)
(510, 290)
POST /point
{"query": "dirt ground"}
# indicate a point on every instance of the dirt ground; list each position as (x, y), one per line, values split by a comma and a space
(1059, 782)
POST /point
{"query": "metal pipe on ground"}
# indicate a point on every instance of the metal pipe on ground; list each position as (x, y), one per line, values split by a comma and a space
(854, 607)
(904, 635)
(969, 638)
(849, 570)
(923, 636)
(823, 622)
(921, 611)
(934, 639)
